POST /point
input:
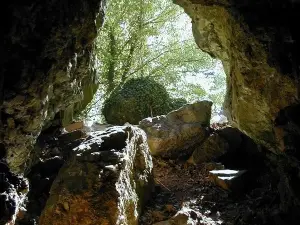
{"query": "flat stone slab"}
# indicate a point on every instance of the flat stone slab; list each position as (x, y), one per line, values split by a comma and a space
(228, 179)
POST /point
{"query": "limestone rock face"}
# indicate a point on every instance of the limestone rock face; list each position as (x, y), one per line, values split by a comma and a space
(178, 130)
(259, 48)
(106, 181)
(47, 66)
(213, 147)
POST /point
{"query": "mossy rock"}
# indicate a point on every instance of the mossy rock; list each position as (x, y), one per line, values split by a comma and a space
(137, 99)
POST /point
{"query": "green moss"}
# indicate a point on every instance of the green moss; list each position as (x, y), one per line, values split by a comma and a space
(135, 100)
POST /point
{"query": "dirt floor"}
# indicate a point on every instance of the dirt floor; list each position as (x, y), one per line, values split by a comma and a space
(180, 185)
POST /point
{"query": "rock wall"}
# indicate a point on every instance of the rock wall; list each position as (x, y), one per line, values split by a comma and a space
(48, 62)
(258, 45)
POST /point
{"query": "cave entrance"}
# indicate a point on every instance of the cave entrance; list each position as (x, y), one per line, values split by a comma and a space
(154, 39)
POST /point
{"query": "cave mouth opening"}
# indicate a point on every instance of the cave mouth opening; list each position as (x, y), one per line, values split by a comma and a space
(154, 39)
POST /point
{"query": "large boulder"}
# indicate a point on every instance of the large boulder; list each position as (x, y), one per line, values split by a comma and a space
(50, 153)
(136, 99)
(179, 130)
(212, 148)
(106, 181)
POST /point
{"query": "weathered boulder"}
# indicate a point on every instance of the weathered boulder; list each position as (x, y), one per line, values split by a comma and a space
(178, 130)
(51, 152)
(212, 148)
(197, 112)
(106, 181)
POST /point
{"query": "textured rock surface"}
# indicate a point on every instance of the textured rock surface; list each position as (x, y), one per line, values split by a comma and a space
(106, 182)
(212, 148)
(183, 217)
(13, 190)
(178, 130)
(48, 62)
(51, 151)
(198, 112)
(46, 53)
(258, 46)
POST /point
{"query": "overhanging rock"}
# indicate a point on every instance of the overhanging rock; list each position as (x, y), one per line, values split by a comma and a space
(256, 43)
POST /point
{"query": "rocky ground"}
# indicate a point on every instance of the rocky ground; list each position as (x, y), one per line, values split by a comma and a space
(188, 189)
(183, 193)
(177, 170)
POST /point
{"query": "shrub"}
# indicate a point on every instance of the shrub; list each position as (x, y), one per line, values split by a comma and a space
(137, 99)
(176, 103)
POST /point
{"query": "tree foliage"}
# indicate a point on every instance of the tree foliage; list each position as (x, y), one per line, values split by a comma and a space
(146, 38)
(218, 89)
(176, 103)
(141, 38)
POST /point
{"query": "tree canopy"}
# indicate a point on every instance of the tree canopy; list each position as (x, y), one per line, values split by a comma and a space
(141, 38)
